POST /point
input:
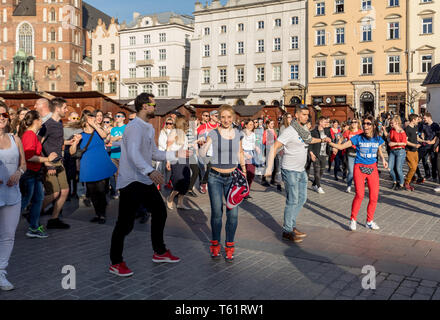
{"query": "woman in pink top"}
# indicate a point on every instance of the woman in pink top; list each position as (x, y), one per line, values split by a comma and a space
(397, 140)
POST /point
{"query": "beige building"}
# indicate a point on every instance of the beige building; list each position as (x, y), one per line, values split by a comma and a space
(424, 47)
(357, 55)
(105, 58)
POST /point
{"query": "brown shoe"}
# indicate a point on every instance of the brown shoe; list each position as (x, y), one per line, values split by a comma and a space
(298, 233)
(288, 236)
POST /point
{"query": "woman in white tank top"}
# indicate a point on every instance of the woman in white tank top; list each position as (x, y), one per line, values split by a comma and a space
(12, 166)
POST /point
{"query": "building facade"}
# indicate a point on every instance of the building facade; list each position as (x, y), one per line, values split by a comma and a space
(357, 55)
(105, 59)
(42, 44)
(154, 55)
(248, 52)
(424, 48)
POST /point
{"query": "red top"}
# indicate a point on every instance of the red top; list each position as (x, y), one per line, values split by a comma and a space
(334, 133)
(204, 129)
(272, 137)
(398, 137)
(32, 147)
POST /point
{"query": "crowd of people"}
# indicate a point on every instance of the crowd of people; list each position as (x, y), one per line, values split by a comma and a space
(43, 159)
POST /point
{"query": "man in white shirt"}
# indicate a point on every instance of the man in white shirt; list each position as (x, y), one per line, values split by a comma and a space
(136, 183)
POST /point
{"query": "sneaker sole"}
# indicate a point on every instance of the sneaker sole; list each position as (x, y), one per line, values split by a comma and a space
(295, 241)
(121, 275)
(165, 261)
(7, 288)
(36, 236)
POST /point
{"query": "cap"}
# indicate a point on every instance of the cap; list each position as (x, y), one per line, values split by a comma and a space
(213, 112)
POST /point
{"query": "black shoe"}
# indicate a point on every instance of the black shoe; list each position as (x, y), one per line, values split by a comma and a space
(399, 187)
(272, 182)
(394, 186)
(56, 224)
(279, 188)
(247, 197)
(87, 202)
(74, 196)
(95, 219)
(101, 220)
(265, 184)
(336, 178)
(192, 194)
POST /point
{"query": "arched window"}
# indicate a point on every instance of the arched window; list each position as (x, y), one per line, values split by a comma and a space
(207, 102)
(52, 54)
(276, 103)
(261, 103)
(53, 35)
(53, 16)
(295, 100)
(240, 102)
(25, 38)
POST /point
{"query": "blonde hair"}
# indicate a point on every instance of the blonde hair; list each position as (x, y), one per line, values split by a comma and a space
(181, 127)
(226, 107)
(398, 120)
(359, 123)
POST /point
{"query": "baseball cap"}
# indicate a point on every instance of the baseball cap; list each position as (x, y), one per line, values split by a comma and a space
(213, 112)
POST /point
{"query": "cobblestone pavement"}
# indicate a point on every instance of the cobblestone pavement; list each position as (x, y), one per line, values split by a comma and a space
(327, 265)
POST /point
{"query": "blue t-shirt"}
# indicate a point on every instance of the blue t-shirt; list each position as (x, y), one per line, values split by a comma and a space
(366, 149)
(115, 152)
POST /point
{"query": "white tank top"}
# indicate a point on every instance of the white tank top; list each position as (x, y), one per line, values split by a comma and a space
(9, 159)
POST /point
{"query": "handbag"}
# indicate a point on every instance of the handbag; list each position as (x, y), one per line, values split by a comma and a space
(238, 190)
(79, 152)
(366, 170)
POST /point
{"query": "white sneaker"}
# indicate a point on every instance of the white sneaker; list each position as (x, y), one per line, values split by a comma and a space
(372, 225)
(183, 207)
(437, 189)
(353, 225)
(5, 285)
(320, 190)
(348, 190)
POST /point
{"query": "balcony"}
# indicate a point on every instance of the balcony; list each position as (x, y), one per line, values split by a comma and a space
(141, 63)
(144, 80)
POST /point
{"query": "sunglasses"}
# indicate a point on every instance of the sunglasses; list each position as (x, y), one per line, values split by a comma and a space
(151, 104)
(367, 123)
(130, 119)
(205, 115)
(119, 116)
(107, 122)
(169, 123)
(75, 118)
(5, 115)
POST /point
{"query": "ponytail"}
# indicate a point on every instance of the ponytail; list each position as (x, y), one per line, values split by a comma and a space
(27, 121)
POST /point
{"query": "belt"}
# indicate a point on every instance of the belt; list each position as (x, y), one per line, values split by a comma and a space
(398, 149)
(226, 175)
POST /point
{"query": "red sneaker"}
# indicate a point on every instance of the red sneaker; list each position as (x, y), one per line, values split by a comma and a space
(229, 249)
(215, 249)
(166, 257)
(169, 185)
(121, 270)
(203, 188)
(409, 187)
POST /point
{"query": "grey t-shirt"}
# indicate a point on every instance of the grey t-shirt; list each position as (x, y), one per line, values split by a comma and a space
(70, 132)
(225, 151)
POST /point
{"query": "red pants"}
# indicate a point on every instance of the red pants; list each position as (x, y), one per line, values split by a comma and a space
(373, 186)
(250, 174)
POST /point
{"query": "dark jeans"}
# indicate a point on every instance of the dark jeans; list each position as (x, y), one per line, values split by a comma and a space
(195, 173)
(97, 192)
(319, 167)
(33, 193)
(424, 154)
(131, 197)
(338, 162)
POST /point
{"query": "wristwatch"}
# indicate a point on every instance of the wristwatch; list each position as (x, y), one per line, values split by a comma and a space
(21, 170)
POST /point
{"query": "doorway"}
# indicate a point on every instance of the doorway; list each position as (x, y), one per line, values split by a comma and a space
(367, 103)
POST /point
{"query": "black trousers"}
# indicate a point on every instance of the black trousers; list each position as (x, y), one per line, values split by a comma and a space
(131, 197)
(195, 173)
(318, 168)
(97, 192)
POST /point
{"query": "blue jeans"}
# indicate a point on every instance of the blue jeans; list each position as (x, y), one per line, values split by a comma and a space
(33, 193)
(350, 170)
(218, 188)
(397, 158)
(296, 191)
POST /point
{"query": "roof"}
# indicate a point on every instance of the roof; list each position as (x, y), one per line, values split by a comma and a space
(164, 106)
(26, 8)
(247, 111)
(8, 95)
(433, 76)
(163, 18)
(91, 15)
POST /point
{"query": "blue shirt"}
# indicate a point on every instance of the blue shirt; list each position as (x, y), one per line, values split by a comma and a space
(366, 149)
(115, 152)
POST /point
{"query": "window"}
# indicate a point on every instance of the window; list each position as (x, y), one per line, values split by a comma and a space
(277, 22)
(162, 71)
(366, 32)
(52, 54)
(320, 8)
(112, 64)
(240, 27)
(260, 25)
(276, 72)
(240, 74)
(223, 29)
(222, 49)
(294, 72)
(394, 64)
(53, 35)
(320, 68)
(339, 6)
(366, 5)
(367, 65)
(147, 39)
(162, 54)
(207, 31)
(294, 42)
(222, 73)
(426, 63)
(100, 86)
(147, 54)
(99, 65)
(162, 90)
(112, 48)
(25, 39)
(147, 88)
(393, 3)
(240, 47)
(277, 44)
(99, 50)
(132, 72)
(260, 74)
(260, 46)
(320, 37)
(132, 41)
(206, 52)
(340, 35)
(147, 72)
(132, 57)
(162, 37)
(112, 86)
(206, 76)
(339, 67)
(427, 25)
(295, 20)
(393, 30)
(132, 91)
(53, 17)
(52, 86)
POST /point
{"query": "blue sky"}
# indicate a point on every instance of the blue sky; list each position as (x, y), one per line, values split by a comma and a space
(123, 10)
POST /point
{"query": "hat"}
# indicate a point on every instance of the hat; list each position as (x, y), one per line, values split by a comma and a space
(213, 112)
(238, 190)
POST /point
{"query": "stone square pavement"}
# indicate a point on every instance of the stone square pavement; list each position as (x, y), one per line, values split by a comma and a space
(405, 252)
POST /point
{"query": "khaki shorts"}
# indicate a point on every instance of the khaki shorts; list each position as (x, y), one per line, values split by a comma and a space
(56, 183)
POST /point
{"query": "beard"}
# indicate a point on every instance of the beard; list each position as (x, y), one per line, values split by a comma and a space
(150, 115)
